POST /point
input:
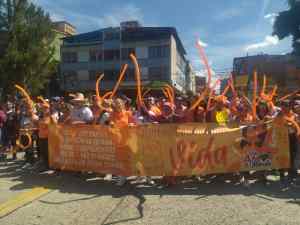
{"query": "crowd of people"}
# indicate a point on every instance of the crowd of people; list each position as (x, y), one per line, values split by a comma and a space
(20, 117)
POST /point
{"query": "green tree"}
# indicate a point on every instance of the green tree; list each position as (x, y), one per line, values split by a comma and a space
(28, 59)
(287, 23)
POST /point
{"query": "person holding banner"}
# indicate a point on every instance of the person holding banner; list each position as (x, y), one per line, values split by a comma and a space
(28, 122)
(44, 122)
(290, 119)
(221, 113)
(81, 114)
(120, 118)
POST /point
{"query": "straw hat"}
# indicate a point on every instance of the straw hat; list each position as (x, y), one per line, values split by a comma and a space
(79, 97)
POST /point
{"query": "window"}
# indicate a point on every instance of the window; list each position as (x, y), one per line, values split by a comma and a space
(93, 75)
(159, 51)
(69, 57)
(95, 55)
(181, 62)
(70, 78)
(129, 75)
(126, 52)
(112, 54)
(158, 72)
(144, 73)
(113, 35)
(111, 75)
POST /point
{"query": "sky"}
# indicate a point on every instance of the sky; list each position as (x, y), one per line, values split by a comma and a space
(227, 28)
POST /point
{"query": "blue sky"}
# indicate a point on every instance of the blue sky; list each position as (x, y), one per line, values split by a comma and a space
(230, 28)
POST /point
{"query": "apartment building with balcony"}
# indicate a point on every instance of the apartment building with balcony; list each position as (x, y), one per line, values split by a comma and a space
(159, 50)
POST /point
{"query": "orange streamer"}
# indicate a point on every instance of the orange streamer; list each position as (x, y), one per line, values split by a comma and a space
(18, 142)
(98, 88)
(199, 100)
(43, 100)
(171, 96)
(138, 79)
(146, 92)
(205, 61)
(254, 95)
(122, 74)
(171, 89)
(288, 95)
(107, 95)
(231, 84)
(226, 89)
(210, 94)
(25, 94)
(264, 85)
(166, 94)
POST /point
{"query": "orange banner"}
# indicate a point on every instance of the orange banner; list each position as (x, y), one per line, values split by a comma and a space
(168, 149)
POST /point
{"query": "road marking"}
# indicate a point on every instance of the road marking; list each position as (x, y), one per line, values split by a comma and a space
(22, 200)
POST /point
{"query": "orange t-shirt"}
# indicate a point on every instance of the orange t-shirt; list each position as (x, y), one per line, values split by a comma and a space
(121, 119)
(43, 127)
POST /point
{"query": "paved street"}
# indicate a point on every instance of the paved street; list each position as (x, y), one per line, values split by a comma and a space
(71, 199)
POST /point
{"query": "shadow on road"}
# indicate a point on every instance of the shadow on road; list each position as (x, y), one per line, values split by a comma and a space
(95, 186)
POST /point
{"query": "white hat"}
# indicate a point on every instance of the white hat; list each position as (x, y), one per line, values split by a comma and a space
(79, 97)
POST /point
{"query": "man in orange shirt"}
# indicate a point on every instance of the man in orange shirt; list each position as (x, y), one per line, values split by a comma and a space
(120, 118)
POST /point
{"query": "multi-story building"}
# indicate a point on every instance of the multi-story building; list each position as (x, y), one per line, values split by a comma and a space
(61, 29)
(282, 70)
(200, 83)
(159, 51)
(190, 79)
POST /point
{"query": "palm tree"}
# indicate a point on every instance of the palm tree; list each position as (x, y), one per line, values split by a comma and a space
(287, 23)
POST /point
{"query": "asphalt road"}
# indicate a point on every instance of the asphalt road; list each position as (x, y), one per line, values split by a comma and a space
(30, 198)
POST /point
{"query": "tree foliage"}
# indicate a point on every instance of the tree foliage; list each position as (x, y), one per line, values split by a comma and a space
(287, 23)
(28, 59)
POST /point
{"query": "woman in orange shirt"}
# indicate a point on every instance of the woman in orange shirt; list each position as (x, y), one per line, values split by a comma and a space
(43, 133)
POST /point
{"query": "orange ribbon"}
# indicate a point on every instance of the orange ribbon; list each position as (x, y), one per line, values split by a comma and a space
(254, 95)
(107, 95)
(138, 79)
(25, 94)
(98, 87)
(18, 142)
(205, 61)
(122, 74)
(43, 101)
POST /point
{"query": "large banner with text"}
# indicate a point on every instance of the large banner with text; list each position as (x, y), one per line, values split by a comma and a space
(168, 149)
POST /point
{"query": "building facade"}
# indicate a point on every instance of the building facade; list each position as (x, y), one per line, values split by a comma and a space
(200, 83)
(280, 70)
(159, 51)
(61, 30)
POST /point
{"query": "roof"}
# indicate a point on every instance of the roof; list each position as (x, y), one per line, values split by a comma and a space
(63, 21)
(128, 35)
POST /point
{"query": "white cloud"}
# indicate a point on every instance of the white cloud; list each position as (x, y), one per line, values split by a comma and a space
(124, 13)
(87, 21)
(271, 17)
(265, 5)
(56, 17)
(269, 41)
(228, 14)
